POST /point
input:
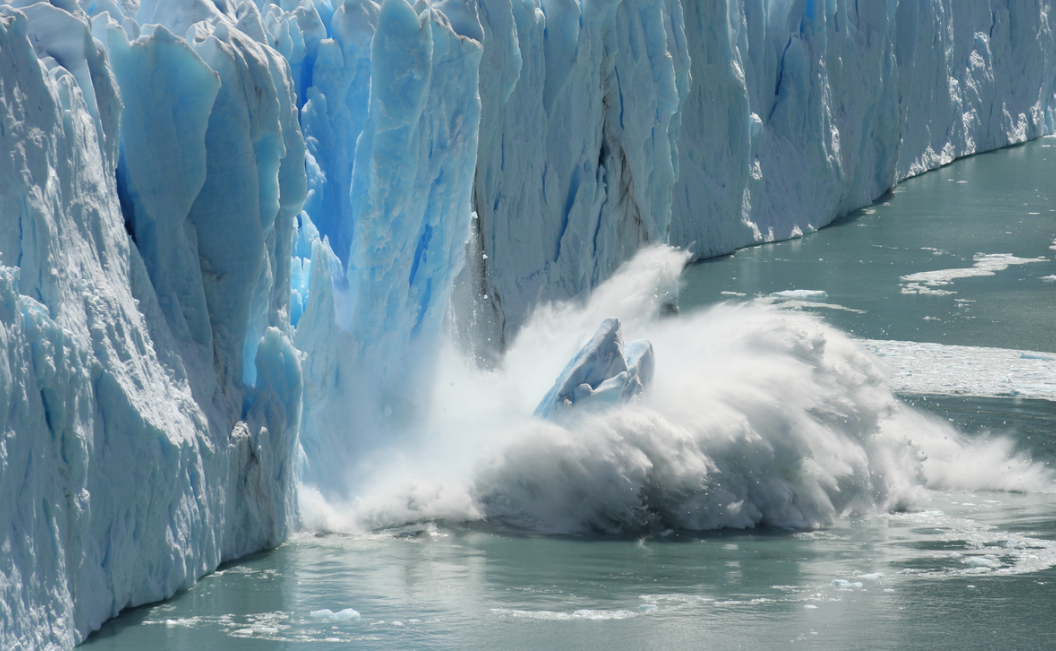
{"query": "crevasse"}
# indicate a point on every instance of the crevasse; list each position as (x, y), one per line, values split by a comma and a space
(231, 226)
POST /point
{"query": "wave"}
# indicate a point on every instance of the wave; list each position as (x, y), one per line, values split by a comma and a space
(756, 416)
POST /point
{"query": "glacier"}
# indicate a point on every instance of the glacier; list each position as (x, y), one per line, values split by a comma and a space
(236, 232)
(135, 458)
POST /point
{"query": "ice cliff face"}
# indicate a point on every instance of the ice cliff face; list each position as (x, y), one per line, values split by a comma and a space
(147, 190)
(229, 224)
(713, 124)
(827, 104)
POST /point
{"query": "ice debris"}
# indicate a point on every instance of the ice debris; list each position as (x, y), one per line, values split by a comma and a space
(605, 371)
(340, 616)
(804, 294)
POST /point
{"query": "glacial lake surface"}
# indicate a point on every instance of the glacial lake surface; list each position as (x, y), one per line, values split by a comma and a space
(951, 279)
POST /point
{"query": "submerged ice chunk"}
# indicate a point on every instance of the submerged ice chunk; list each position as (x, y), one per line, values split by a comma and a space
(605, 371)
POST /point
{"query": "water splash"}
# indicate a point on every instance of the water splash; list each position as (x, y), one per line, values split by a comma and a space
(756, 417)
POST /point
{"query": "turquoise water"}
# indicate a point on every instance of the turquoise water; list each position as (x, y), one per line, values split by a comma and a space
(464, 589)
(965, 570)
(1002, 202)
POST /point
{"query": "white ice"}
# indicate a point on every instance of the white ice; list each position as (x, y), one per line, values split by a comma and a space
(802, 294)
(967, 370)
(340, 616)
(986, 264)
(603, 372)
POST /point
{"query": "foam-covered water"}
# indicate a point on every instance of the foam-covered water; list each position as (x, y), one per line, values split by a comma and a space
(756, 417)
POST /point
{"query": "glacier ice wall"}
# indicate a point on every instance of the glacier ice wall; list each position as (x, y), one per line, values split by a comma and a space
(149, 390)
(390, 117)
(828, 105)
(715, 124)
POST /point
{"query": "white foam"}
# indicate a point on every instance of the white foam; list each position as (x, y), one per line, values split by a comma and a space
(553, 615)
(795, 304)
(974, 547)
(922, 290)
(756, 415)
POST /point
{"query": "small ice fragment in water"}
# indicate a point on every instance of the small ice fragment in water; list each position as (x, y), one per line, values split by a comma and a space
(874, 576)
(810, 606)
(846, 585)
(803, 294)
(1039, 356)
(341, 615)
(647, 608)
